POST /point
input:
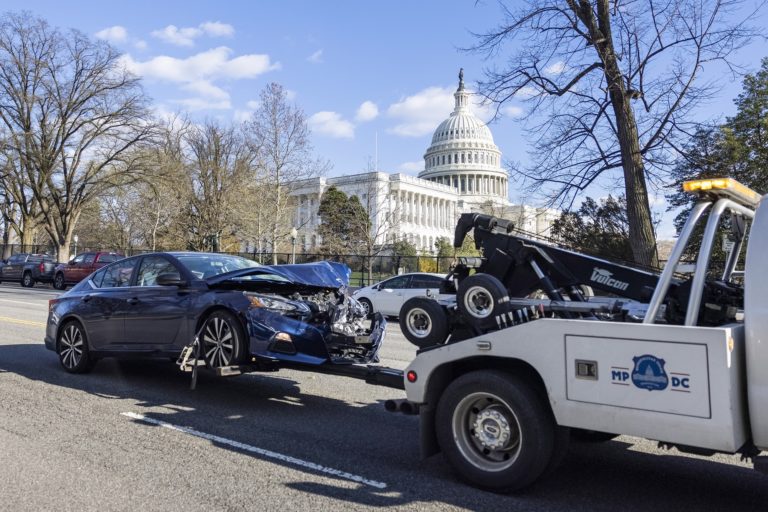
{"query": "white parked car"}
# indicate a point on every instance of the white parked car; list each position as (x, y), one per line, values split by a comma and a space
(387, 297)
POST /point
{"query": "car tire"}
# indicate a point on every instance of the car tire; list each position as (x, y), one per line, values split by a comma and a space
(27, 281)
(423, 322)
(481, 299)
(58, 282)
(496, 430)
(72, 347)
(223, 340)
(367, 306)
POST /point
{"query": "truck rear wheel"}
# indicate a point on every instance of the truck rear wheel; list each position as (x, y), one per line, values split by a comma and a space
(496, 430)
(480, 298)
(58, 282)
(26, 280)
(423, 322)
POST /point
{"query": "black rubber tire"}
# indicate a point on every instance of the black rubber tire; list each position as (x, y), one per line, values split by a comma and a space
(58, 282)
(72, 347)
(26, 280)
(223, 339)
(591, 436)
(423, 322)
(481, 298)
(367, 305)
(503, 404)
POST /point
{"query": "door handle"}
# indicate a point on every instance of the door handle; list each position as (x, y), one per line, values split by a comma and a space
(132, 300)
(86, 298)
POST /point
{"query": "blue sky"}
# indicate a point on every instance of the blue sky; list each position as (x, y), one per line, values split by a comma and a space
(362, 71)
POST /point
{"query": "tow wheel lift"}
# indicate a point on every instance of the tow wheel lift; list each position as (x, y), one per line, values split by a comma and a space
(190, 361)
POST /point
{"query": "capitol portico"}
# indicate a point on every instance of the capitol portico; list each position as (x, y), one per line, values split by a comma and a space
(462, 173)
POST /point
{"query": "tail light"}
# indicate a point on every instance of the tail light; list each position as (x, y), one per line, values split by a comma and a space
(42, 267)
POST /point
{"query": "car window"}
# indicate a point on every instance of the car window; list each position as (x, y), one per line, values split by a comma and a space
(151, 267)
(78, 259)
(98, 277)
(426, 282)
(88, 259)
(209, 265)
(118, 275)
(396, 283)
(17, 258)
(109, 258)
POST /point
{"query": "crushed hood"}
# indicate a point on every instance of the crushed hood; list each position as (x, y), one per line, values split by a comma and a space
(323, 274)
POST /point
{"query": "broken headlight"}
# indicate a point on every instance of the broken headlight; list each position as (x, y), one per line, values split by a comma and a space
(277, 304)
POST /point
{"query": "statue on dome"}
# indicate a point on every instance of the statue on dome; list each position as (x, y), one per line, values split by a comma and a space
(461, 78)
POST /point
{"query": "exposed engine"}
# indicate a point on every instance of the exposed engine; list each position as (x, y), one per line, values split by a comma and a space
(349, 338)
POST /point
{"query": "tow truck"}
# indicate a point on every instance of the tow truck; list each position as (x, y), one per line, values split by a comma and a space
(502, 377)
(523, 358)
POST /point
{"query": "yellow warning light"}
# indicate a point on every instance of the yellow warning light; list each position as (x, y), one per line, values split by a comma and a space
(724, 187)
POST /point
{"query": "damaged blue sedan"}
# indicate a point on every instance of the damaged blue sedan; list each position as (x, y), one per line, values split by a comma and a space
(241, 312)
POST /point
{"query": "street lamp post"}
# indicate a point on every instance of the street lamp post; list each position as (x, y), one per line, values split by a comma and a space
(294, 234)
(75, 239)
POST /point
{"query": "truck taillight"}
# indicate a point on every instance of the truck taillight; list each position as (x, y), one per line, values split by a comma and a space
(42, 267)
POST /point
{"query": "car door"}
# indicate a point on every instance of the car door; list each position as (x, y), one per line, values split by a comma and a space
(155, 317)
(71, 269)
(389, 296)
(12, 271)
(427, 285)
(83, 267)
(103, 307)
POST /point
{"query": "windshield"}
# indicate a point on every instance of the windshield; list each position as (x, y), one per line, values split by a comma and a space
(208, 265)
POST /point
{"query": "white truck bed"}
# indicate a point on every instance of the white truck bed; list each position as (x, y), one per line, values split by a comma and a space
(675, 384)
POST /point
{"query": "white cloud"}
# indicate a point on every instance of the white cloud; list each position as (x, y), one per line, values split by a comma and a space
(526, 92)
(367, 111)
(208, 65)
(316, 58)
(411, 166)
(556, 68)
(253, 104)
(204, 104)
(186, 36)
(331, 124)
(422, 112)
(241, 116)
(199, 73)
(140, 44)
(513, 111)
(217, 29)
(116, 34)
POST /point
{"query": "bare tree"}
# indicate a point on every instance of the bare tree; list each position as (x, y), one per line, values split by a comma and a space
(279, 133)
(611, 85)
(220, 167)
(72, 117)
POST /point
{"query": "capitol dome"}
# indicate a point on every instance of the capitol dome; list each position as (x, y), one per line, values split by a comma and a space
(463, 154)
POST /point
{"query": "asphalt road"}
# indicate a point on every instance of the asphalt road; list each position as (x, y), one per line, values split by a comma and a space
(131, 435)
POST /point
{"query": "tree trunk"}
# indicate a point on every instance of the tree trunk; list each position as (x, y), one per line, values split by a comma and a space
(641, 235)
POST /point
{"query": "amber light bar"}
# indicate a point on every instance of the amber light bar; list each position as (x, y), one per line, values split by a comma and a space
(724, 187)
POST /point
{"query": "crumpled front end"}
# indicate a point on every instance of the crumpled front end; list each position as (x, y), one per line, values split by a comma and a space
(313, 328)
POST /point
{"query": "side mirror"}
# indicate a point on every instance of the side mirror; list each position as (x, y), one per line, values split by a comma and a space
(170, 279)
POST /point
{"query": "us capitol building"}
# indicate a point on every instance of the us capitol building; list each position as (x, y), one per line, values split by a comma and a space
(462, 173)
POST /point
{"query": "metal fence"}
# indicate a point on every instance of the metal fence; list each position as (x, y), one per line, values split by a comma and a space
(381, 267)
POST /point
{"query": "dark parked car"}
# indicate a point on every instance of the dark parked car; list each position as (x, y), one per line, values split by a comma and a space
(28, 269)
(81, 266)
(154, 304)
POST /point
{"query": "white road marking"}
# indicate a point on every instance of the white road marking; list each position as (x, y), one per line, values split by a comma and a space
(260, 451)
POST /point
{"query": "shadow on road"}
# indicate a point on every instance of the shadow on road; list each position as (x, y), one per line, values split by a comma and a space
(270, 411)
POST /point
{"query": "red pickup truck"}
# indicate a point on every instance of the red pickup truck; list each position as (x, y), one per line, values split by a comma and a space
(81, 266)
